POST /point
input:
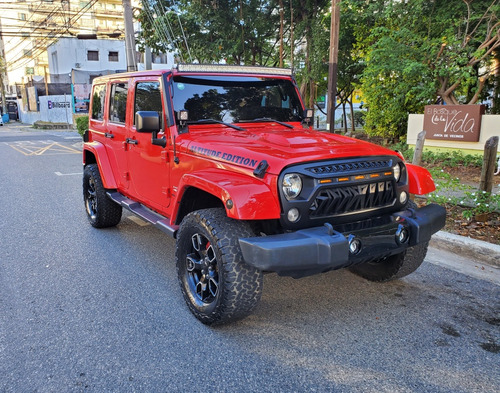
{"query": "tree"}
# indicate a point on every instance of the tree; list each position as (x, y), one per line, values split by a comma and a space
(419, 51)
(237, 31)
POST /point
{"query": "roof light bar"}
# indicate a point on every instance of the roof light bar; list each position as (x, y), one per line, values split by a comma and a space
(233, 69)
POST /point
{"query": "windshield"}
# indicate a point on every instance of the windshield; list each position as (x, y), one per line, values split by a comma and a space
(236, 99)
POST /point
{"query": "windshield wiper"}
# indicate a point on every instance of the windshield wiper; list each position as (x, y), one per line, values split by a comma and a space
(218, 122)
(274, 121)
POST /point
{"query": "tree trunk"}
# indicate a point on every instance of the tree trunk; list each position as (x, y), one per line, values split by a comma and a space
(353, 126)
(344, 116)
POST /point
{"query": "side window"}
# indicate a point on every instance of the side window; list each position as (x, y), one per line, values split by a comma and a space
(148, 98)
(98, 96)
(118, 102)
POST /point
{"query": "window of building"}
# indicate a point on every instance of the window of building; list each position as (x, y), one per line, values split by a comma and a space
(22, 16)
(27, 52)
(113, 56)
(98, 102)
(148, 98)
(93, 55)
(118, 103)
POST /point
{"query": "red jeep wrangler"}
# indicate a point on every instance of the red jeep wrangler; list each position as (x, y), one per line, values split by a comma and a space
(224, 160)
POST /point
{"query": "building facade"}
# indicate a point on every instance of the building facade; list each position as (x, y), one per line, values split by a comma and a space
(28, 28)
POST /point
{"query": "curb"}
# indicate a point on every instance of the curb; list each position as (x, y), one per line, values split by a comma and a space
(478, 250)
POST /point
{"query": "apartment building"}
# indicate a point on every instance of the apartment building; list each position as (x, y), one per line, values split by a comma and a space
(28, 28)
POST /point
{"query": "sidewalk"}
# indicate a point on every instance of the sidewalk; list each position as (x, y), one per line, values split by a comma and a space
(473, 249)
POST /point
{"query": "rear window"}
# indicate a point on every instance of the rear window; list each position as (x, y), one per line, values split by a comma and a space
(98, 102)
(118, 102)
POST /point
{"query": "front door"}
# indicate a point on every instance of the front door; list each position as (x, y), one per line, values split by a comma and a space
(148, 164)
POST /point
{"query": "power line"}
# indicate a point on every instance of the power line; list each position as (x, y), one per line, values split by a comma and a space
(52, 37)
(159, 25)
(162, 26)
(182, 30)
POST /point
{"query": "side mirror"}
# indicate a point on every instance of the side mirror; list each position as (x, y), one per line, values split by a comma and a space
(147, 121)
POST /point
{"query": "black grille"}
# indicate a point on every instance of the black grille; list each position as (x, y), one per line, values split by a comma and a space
(350, 166)
(348, 199)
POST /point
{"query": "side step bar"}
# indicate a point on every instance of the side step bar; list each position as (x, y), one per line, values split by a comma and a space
(142, 211)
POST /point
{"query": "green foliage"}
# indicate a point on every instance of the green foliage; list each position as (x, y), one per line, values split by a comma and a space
(482, 202)
(450, 159)
(394, 82)
(236, 31)
(359, 118)
(82, 124)
(417, 51)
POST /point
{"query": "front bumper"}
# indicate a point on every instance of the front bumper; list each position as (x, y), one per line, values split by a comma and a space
(315, 250)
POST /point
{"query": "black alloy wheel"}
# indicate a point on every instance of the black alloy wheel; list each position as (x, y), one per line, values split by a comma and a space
(202, 270)
(91, 199)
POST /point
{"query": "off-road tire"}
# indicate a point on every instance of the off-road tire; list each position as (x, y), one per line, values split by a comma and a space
(102, 212)
(234, 288)
(395, 266)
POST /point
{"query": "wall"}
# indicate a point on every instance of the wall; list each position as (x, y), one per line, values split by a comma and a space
(54, 109)
(66, 53)
(490, 126)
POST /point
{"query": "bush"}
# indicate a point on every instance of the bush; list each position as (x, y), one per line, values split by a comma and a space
(444, 158)
(82, 124)
(359, 118)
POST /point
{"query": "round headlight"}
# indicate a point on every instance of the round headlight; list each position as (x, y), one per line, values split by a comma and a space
(292, 185)
(397, 172)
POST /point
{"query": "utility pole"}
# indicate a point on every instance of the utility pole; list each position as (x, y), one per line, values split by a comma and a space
(2, 86)
(291, 34)
(147, 58)
(281, 31)
(332, 65)
(129, 36)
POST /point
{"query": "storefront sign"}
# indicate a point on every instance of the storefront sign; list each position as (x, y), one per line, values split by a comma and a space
(460, 123)
(58, 105)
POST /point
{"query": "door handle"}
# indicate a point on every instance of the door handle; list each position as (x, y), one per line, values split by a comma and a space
(131, 141)
(108, 135)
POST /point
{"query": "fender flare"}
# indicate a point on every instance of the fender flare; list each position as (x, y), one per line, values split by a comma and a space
(419, 180)
(98, 150)
(252, 198)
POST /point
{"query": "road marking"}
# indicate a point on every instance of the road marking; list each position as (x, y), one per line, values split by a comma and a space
(31, 148)
(68, 174)
(138, 221)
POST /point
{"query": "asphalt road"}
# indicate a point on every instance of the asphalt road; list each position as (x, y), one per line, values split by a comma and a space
(91, 310)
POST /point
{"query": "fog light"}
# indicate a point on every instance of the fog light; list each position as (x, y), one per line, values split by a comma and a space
(354, 245)
(293, 214)
(403, 197)
(402, 234)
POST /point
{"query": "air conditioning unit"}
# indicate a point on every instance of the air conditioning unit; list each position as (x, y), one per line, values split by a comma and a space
(77, 65)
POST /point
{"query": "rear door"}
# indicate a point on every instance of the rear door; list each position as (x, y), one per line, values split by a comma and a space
(148, 164)
(107, 124)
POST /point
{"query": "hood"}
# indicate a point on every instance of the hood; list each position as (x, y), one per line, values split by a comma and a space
(278, 145)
